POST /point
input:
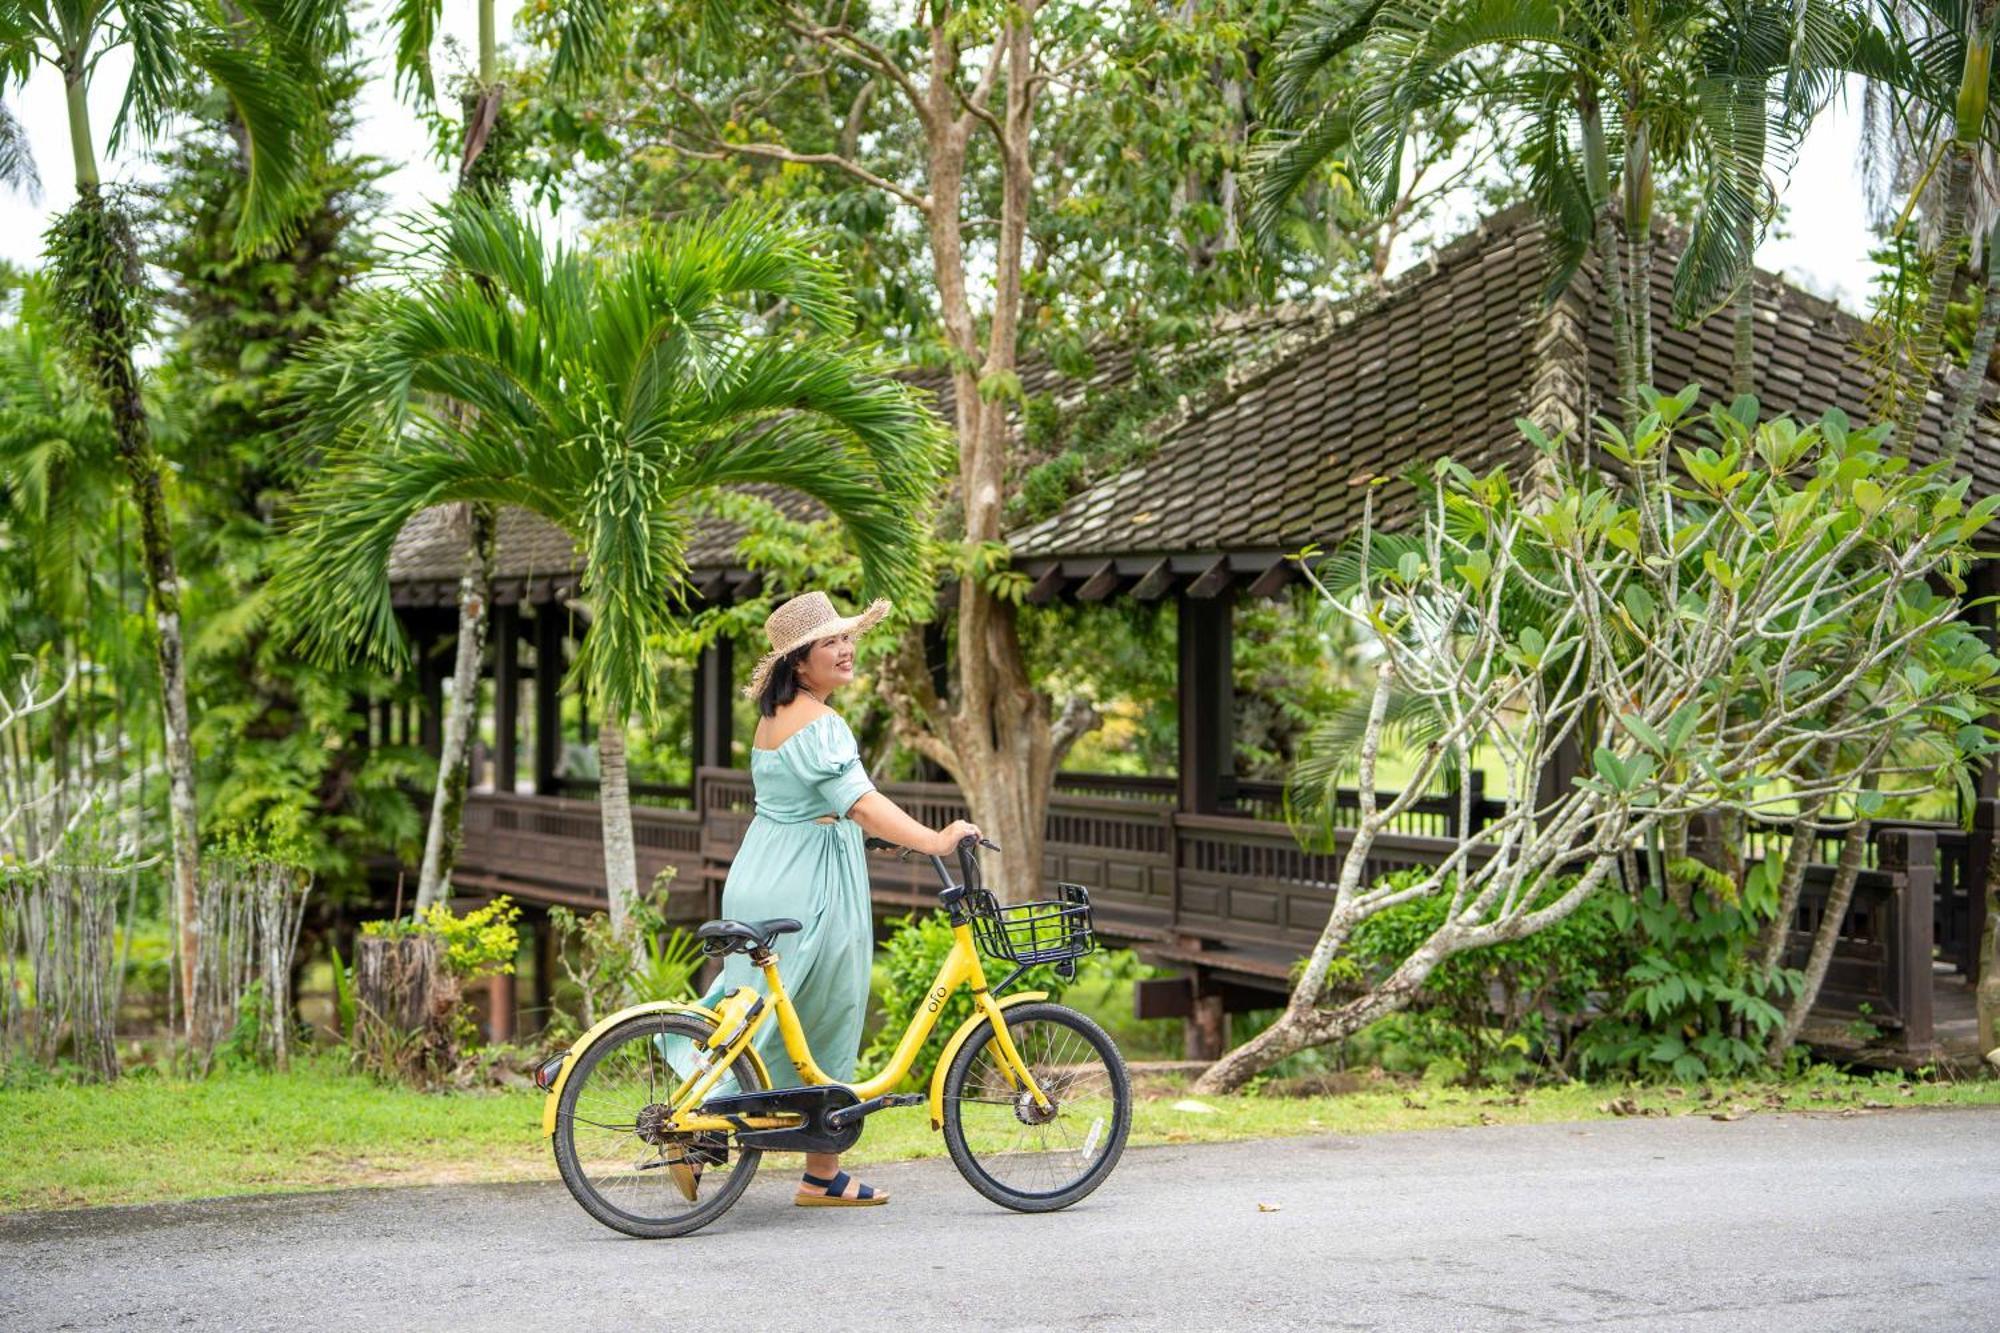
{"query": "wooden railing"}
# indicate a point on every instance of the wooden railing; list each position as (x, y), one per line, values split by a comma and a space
(1228, 893)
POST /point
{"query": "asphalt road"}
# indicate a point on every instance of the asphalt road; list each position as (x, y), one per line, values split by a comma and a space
(1771, 1223)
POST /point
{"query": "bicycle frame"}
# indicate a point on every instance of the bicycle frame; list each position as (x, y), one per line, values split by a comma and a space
(961, 968)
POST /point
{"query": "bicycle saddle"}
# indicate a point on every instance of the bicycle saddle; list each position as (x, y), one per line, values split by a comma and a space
(743, 936)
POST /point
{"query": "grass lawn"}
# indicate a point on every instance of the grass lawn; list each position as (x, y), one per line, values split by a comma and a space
(149, 1139)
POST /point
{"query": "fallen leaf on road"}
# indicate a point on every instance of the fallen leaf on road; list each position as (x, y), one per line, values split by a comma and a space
(1193, 1107)
(1874, 1106)
(1269, 1207)
(1725, 1115)
(1620, 1106)
(1488, 1119)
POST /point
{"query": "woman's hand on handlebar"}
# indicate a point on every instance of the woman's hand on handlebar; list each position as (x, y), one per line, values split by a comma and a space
(948, 837)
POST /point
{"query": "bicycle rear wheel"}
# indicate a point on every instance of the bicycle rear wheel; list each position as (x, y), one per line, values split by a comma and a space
(616, 1161)
(1012, 1151)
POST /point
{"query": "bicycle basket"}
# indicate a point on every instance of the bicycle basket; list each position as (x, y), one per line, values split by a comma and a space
(1049, 931)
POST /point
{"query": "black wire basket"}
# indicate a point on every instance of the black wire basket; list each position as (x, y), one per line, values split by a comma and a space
(1050, 931)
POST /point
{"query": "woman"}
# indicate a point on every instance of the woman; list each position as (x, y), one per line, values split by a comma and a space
(802, 855)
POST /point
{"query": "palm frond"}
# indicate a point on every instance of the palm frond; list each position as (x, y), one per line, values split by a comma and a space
(606, 394)
(415, 25)
(583, 31)
(17, 158)
(1317, 37)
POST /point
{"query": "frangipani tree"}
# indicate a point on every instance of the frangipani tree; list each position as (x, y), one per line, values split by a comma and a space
(1709, 622)
(606, 394)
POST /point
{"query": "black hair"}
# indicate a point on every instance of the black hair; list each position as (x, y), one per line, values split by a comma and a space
(782, 686)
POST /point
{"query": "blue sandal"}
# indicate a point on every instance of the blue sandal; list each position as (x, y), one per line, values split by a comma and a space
(865, 1197)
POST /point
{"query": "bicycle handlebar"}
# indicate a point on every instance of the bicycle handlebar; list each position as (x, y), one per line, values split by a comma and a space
(966, 860)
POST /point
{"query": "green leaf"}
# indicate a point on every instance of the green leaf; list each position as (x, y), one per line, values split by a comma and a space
(1643, 730)
(1609, 768)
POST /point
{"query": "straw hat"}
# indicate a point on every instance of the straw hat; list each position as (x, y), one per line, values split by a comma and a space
(805, 619)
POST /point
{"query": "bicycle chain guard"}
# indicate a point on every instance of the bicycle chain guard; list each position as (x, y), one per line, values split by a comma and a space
(815, 1104)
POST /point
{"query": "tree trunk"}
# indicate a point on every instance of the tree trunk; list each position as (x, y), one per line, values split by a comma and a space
(1943, 268)
(1596, 163)
(442, 842)
(1639, 236)
(614, 812)
(1612, 279)
(999, 741)
(1971, 390)
(96, 237)
(1743, 348)
(1986, 995)
(1817, 961)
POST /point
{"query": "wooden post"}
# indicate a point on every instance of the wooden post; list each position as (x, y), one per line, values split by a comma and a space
(1207, 702)
(714, 704)
(430, 685)
(1979, 857)
(548, 696)
(545, 969)
(937, 659)
(1911, 856)
(506, 698)
(1560, 774)
(500, 1007)
(1205, 1032)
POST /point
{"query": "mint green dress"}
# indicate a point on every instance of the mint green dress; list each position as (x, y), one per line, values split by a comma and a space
(791, 866)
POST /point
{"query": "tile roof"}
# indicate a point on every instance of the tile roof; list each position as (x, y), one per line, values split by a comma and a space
(1319, 399)
(1439, 364)
(533, 557)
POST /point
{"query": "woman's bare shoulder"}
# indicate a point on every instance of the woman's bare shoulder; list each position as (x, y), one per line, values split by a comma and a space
(789, 720)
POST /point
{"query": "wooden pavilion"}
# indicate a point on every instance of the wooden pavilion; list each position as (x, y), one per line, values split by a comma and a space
(1195, 869)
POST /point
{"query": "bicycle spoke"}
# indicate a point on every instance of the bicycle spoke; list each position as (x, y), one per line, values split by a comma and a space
(1005, 1132)
(618, 1091)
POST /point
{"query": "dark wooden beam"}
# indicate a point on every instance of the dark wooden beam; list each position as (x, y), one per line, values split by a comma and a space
(1272, 580)
(714, 700)
(1048, 587)
(714, 589)
(748, 586)
(1211, 581)
(1155, 583)
(430, 689)
(1103, 581)
(1207, 702)
(548, 698)
(506, 697)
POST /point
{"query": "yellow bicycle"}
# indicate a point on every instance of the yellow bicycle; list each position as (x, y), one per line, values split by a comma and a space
(661, 1113)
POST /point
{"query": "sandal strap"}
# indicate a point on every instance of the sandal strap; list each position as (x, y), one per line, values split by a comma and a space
(837, 1187)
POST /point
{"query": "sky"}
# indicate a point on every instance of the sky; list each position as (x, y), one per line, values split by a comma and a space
(1822, 245)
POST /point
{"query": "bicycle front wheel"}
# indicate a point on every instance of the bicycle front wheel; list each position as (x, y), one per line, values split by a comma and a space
(1016, 1153)
(611, 1145)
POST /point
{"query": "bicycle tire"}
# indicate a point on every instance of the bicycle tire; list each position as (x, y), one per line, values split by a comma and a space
(1020, 1019)
(574, 1176)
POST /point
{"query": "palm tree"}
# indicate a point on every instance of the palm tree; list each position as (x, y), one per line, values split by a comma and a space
(262, 56)
(482, 175)
(1572, 74)
(608, 396)
(1929, 64)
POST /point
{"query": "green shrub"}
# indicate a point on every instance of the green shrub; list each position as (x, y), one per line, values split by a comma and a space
(1484, 1011)
(1690, 1001)
(482, 943)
